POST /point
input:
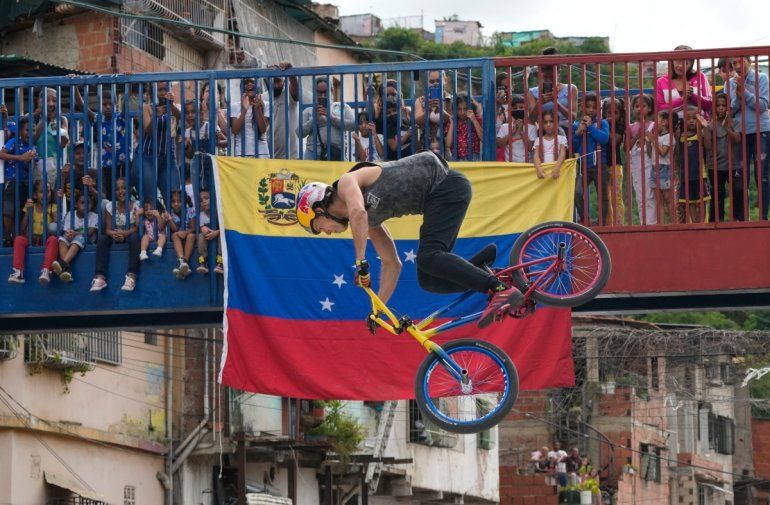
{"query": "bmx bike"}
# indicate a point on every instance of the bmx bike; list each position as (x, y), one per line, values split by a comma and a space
(469, 385)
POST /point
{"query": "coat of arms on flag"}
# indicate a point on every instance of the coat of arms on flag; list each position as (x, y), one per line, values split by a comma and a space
(277, 197)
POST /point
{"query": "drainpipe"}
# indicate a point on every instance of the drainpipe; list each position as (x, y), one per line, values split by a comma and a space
(192, 441)
(169, 422)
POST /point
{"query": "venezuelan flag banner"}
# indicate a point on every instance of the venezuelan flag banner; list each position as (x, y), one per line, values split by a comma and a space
(295, 324)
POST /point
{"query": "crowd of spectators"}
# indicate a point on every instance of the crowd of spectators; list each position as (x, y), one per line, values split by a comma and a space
(129, 165)
(564, 468)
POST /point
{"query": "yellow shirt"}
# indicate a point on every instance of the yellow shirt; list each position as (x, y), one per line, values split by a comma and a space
(37, 219)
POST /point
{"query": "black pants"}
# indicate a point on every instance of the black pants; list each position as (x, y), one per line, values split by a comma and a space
(438, 270)
(591, 177)
(103, 246)
(720, 198)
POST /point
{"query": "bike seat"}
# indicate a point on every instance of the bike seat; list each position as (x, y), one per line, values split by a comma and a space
(485, 257)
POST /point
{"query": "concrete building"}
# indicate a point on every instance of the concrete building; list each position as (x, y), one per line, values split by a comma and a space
(468, 32)
(78, 40)
(521, 38)
(361, 27)
(662, 430)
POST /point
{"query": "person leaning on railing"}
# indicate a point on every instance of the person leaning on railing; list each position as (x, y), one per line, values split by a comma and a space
(683, 85)
(51, 135)
(749, 96)
(275, 102)
(159, 168)
(18, 155)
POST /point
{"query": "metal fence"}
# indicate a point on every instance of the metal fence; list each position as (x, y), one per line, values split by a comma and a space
(686, 166)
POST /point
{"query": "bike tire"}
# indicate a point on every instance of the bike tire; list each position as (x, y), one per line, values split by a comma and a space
(587, 256)
(479, 358)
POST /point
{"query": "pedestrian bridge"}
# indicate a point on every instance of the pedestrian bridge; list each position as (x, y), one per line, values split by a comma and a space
(716, 258)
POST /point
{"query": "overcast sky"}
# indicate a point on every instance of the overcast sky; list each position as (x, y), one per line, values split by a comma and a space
(653, 25)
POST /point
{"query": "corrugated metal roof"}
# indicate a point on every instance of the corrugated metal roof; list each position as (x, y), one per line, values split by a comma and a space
(14, 9)
(13, 65)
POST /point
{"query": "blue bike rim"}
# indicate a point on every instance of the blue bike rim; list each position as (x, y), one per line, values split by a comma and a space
(430, 405)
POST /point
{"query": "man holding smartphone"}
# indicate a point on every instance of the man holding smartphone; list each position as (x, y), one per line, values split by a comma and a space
(433, 117)
(246, 119)
(324, 125)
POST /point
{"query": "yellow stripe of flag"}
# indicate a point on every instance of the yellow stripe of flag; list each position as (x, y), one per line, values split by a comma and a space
(508, 198)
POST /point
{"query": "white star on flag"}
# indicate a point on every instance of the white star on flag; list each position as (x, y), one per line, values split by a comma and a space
(410, 255)
(326, 304)
(339, 280)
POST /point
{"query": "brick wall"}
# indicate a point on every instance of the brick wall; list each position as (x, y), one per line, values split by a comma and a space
(760, 435)
(525, 489)
(97, 37)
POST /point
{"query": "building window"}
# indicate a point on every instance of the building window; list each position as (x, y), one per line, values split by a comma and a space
(650, 462)
(150, 338)
(723, 435)
(654, 373)
(105, 346)
(129, 495)
(483, 438)
(421, 431)
(145, 36)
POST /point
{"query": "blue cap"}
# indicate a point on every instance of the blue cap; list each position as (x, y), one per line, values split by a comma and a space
(12, 127)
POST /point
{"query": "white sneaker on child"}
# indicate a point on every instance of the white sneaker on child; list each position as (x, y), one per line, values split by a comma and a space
(45, 276)
(17, 277)
(98, 284)
(158, 252)
(184, 269)
(143, 256)
(129, 284)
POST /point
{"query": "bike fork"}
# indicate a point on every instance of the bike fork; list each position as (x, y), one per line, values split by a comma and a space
(459, 373)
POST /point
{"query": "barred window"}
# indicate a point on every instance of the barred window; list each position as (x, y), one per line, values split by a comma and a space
(105, 346)
(422, 431)
(650, 464)
(129, 495)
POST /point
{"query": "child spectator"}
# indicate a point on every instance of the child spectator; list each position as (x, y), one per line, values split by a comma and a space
(120, 218)
(511, 137)
(550, 147)
(615, 113)
(693, 189)
(640, 159)
(590, 135)
(154, 230)
(660, 178)
(368, 144)
(726, 149)
(181, 222)
(34, 207)
(469, 120)
(51, 135)
(18, 155)
(78, 227)
(206, 235)
(197, 141)
(397, 130)
(113, 137)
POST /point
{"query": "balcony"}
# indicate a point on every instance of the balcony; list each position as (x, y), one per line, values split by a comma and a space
(59, 351)
(207, 13)
(9, 347)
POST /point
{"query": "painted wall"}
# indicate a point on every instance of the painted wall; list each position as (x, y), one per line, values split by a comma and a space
(106, 469)
(326, 57)
(117, 403)
(655, 260)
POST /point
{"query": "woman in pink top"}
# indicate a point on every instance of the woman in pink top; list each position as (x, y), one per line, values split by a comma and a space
(682, 86)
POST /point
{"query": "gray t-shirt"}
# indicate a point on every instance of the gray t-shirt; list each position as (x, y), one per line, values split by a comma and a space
(278, 124)
(403, 186)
